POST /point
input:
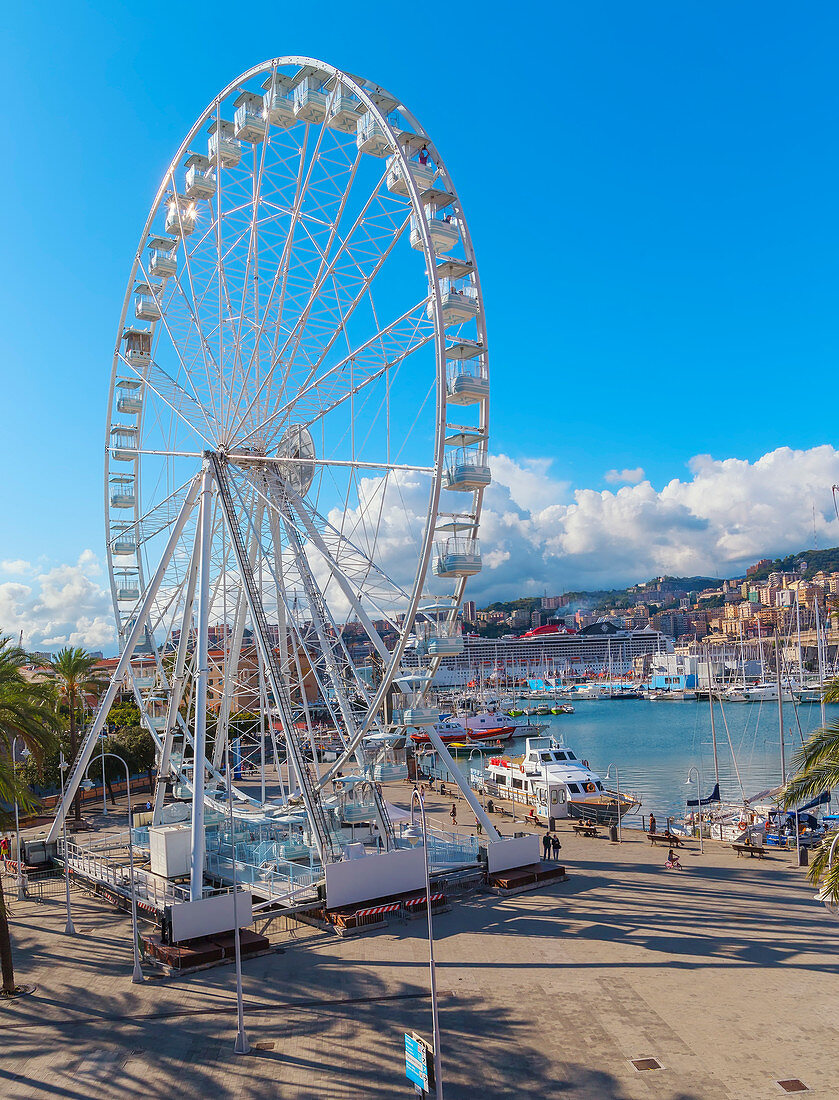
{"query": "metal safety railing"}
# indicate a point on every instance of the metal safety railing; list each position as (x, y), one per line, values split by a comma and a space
(150, 889)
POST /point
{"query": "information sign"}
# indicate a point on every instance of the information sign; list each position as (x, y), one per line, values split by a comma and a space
(416, 1061)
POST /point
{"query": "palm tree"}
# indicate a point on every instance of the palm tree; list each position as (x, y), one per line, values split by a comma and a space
(817, 770)
(74, 676)
(27, 714)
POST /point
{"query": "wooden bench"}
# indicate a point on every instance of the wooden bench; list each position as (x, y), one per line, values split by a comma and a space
(753, 850)
(666, 838)
(585, 830)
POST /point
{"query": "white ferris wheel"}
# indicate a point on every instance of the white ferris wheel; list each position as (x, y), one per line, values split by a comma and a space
(297, 433)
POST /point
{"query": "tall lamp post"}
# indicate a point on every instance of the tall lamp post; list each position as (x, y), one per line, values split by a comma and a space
(69, 930)
(137, 976)
(478, 751)
(24, 752)
(435, 1023)
(241, 1046)
(104, 789)
(618, 785)
(698, 803)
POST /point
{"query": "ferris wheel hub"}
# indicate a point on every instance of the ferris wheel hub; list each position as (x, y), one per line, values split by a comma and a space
(298, 448)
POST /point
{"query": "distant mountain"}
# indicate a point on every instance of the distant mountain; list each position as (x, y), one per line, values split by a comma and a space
(660, 589)
(816, 561)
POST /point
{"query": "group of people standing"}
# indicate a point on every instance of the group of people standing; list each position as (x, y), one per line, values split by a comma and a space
(550, 845)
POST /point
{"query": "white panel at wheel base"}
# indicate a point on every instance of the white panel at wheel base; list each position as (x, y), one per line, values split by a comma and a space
(519, 851)
(208, 916)
(375, 876)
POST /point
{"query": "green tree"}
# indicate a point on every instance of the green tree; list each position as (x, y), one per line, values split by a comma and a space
(126, 713)
(817, 770)
(27, 714)
(136, 746)
(73, 671)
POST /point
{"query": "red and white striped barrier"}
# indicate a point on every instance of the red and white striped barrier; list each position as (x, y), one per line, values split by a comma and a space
(377, 911)
(421, 900)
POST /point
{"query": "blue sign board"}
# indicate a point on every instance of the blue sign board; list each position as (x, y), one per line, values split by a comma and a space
(416, 1061)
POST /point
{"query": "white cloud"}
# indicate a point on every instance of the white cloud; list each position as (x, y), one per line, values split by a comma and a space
(16, 567)
(528, 481)
(63, 605)
(727, 514)
(625, 477)
(536, 534)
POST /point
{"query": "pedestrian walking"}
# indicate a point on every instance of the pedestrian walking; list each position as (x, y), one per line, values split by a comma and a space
(555, 846)
(546, 845)
(652, 823)
(478, 827)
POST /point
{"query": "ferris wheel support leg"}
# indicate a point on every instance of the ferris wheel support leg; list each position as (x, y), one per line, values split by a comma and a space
(468, 793)
(91, 737)
(390, 660)
(287, 647)
(308, 791)
(341, 580)
(177, 683)
(301, 642)
(318, 612)
(231, 670)
(196, 875)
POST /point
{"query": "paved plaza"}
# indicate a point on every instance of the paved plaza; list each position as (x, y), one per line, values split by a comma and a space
(726, 973)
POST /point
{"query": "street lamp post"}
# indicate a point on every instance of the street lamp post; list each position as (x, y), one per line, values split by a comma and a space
(104, 789)
(241, 1046)
(25, 752)
(137, 976)
(438, 1073)
(698, 803)
(481, 792)
(618, 785)
(69, 930)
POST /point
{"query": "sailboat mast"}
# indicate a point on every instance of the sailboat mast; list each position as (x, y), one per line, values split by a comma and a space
(798, 634)
(713, 727)
(760, 650)
(820, 653)
(780, 703)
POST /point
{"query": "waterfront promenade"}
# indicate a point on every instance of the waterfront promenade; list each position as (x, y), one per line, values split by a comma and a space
(727, 974)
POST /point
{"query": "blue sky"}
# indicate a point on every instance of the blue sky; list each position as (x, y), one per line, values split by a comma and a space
(650, 189)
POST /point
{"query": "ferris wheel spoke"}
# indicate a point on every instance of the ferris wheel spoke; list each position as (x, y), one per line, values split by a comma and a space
(251, 261)
(326, 269)
(355, 357)
(192, 303)
(295, 220)
(282, 274)
(326, 340)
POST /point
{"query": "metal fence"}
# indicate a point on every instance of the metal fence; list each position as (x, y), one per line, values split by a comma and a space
(150, 889)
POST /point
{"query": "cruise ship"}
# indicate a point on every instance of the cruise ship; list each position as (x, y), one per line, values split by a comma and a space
(601, 648)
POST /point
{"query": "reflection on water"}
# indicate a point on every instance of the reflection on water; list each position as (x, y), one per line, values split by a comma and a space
(654, 744)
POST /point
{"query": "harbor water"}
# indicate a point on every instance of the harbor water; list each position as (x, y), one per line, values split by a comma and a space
(654, 744)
